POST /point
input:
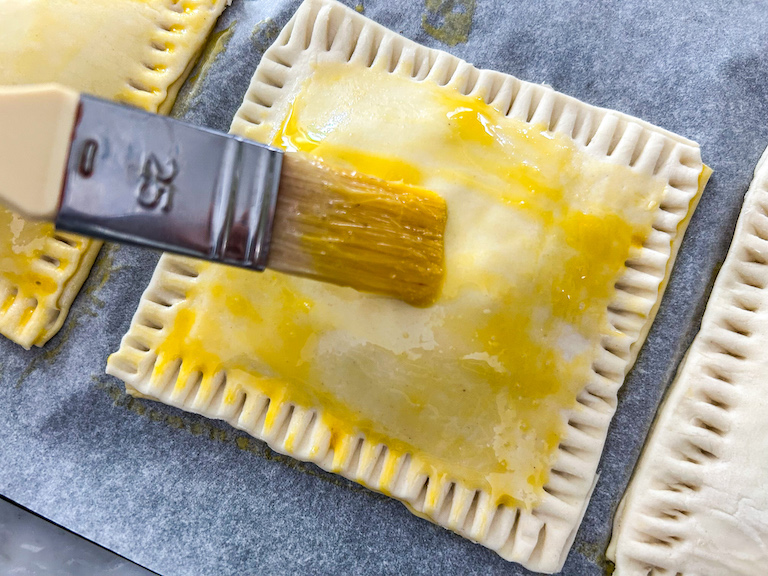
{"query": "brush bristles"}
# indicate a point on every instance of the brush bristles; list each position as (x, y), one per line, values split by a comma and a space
(358, 231)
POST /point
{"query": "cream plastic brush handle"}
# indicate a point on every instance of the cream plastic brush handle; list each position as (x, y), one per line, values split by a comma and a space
(36, 125)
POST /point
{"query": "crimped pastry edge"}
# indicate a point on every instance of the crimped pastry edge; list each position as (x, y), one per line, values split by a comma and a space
(692, 427)
(29, 319)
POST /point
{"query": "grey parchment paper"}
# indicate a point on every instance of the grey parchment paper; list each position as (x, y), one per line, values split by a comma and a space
(183, 495)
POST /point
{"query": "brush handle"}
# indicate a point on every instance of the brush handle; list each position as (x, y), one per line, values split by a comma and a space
(36, 124)
(149, 180)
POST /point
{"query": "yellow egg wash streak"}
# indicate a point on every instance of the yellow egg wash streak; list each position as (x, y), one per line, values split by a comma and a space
(20, 249)
(474, 386)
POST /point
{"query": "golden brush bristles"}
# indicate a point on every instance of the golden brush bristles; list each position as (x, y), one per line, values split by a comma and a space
(358, 231)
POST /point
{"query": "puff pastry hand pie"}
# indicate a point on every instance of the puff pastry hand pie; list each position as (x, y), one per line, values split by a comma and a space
(697, 503)
(134, 51)
(486, 412)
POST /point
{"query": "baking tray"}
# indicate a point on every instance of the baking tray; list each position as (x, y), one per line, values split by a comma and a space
(184, 495)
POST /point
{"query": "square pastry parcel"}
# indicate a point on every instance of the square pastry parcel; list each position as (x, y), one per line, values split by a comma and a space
(487, 411)
(135, 52)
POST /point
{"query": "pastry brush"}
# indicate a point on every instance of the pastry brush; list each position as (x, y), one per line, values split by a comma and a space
(102, 169)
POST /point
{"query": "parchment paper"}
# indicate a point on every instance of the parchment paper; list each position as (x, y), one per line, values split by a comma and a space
(183, 495)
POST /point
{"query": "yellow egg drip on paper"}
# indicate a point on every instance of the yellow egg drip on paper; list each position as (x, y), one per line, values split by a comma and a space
(475, 385)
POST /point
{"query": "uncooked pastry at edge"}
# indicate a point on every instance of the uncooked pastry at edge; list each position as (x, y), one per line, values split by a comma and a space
(697, 503)
(138, 52)
(538, 538)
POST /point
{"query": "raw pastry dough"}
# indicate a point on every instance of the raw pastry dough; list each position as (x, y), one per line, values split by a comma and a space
(697, 503)
(486, 412)
(133, 51)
